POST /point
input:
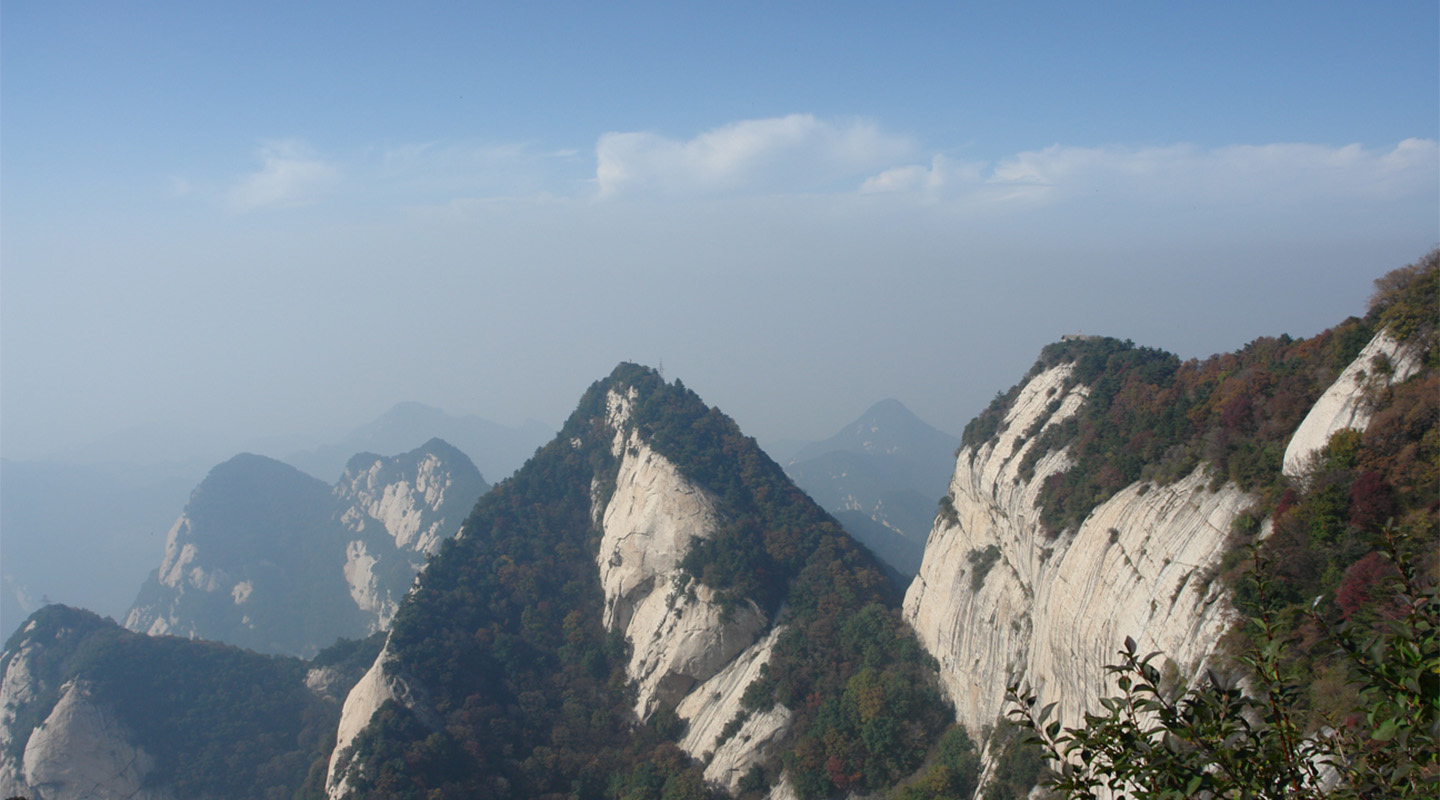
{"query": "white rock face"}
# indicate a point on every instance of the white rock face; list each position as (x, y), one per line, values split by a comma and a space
(687, 650)
(398, 512)
(282, 545)
(713, 704)
(648, 524)
(679, 633)
(407, 509)
(180, 571)
(1052, 613)
(82, 752)
(1346, 404)
(366, 589)
(364, 700)
(17, 691)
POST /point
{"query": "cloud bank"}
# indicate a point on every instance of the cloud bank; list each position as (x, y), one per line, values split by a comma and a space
(803, 156)
(796, 153)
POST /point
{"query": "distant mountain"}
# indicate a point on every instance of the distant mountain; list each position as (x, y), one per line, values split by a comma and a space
(267, 557)
(882, 476)
(496, 449)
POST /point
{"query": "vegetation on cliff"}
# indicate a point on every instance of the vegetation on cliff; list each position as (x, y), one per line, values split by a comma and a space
(1336, 568)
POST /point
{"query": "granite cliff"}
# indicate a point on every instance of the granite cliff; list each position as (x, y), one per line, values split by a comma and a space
(1024, 584)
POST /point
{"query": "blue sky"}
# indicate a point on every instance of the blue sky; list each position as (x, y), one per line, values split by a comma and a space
(221, 224)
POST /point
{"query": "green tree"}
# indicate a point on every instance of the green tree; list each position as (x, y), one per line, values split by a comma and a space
(1228, 738)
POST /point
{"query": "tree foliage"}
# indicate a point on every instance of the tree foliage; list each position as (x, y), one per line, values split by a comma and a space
(1243, 736)
(220, 722)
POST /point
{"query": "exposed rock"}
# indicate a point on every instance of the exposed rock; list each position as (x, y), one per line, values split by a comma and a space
(365, 698)
(58, 742)
(89, 709)
(1348, 403)
(648, 524)
(409, 495)
(715, 703)
(19, 688)
(997, 600)
(81, 751)
(679, 633)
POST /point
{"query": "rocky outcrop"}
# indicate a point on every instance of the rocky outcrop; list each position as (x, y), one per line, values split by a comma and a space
(689, 650)
(412, 497)
(715, 705)
(396, 511)
(378, 686)
(80, 750)
(246, 563)
(57, 740)
(679, 633)
(997, 600)
(20, 690)
(1349, 402)
(89, 709)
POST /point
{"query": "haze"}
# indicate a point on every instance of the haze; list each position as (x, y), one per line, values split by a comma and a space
(260, 223)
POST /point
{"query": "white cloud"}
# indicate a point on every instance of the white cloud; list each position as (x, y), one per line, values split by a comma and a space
(289, 177)
(797, 153)
(942, 174)
(1260, 181)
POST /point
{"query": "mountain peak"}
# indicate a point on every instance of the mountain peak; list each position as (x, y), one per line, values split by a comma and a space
(887, 427)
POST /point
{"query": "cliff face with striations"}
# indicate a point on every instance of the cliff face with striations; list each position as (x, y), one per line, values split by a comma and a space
(1349, 403)
(1002, 598)
(680, 634)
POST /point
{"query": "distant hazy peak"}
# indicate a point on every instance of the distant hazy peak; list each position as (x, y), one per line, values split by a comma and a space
(887, 427)
(248, 469)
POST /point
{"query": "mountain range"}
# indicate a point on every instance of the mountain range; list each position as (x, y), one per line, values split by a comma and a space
(650, 608)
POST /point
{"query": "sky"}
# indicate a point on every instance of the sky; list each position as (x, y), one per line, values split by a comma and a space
(224, 224)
